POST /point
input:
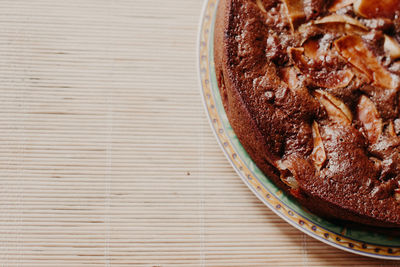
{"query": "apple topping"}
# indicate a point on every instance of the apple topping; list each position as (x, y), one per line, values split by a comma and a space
(319, 76)
(392, 47)
(368, 115)
(289, 76)
(338, 4)
(287, 173)
(336, 18)
(290, 181)
(311, 48)
(390, 129)
(261, 6)
(336, 112)
(397, 194)
(338, 103)
(377, 8)
(355, 51)
(295, 11)
(318, 154)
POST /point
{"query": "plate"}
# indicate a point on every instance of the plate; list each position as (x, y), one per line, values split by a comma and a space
(355, 240)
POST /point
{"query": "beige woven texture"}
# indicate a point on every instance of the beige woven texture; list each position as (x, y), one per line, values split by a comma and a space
(106, 156)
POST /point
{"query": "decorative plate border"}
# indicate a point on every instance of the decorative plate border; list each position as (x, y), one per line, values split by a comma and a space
(272, 200)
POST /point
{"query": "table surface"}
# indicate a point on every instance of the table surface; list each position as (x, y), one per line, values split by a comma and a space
(106, 156)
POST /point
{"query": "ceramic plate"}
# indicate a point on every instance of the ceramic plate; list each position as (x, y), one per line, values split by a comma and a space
(354, 240)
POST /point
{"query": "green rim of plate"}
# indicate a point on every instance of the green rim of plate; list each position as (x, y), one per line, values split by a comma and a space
(354, 240)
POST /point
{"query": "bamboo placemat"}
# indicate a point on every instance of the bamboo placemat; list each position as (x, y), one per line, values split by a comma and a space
(106, 156)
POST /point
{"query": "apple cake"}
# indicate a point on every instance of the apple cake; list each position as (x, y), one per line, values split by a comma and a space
(311, 89)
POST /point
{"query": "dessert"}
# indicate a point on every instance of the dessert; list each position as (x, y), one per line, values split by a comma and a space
(311, 89)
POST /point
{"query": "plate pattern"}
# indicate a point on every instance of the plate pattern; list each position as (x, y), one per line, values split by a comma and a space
(267, 193)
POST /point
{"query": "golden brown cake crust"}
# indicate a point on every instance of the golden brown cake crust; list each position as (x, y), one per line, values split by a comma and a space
(313, 139)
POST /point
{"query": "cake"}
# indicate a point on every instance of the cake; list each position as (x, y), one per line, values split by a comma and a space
(311, 89)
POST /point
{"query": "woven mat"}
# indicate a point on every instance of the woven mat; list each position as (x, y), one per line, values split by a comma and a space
(106, 157)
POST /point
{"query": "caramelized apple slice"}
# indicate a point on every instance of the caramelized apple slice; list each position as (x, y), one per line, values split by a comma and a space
(397, 194)
(396, 123)
(368, 115)
(354, 50)
(336, 18)
(289, 76)
(320, 78)
(295, 12)
(287, 173)
(390, 129)
(392, 47)
(338, 4)
(335, 112)
(290, 181)
(338, 103)
(377, 8)
(318, 154)
(261, 6)
(311, 48)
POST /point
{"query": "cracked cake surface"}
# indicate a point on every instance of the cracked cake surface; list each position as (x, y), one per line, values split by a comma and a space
(311, 89)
